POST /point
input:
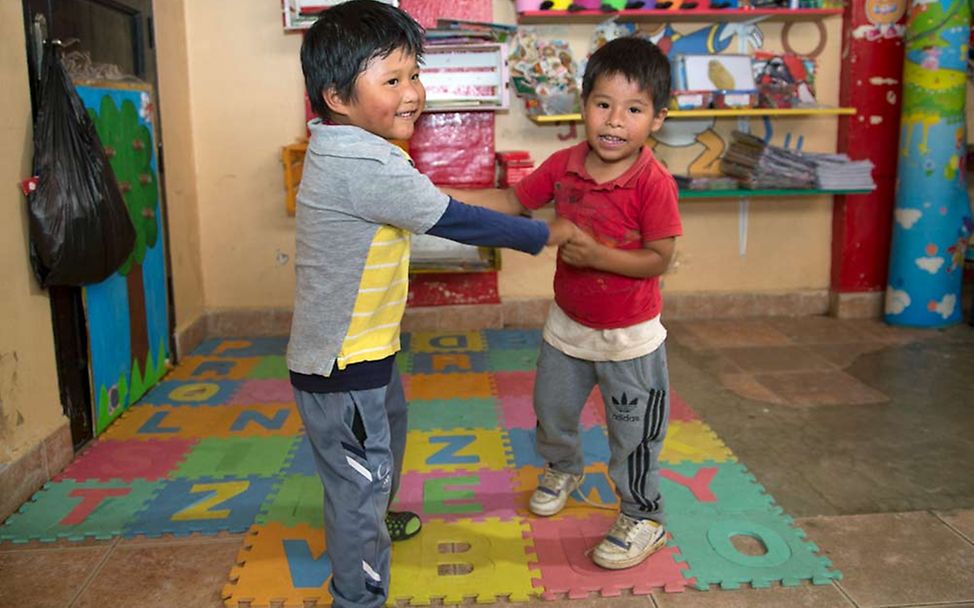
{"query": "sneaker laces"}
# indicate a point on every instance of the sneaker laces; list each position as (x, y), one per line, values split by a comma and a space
(623, 527)
(556, 479)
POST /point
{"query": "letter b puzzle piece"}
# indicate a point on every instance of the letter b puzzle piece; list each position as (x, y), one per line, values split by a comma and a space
(464, 559)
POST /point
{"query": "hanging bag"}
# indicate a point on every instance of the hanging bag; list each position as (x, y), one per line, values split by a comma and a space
(80, 230)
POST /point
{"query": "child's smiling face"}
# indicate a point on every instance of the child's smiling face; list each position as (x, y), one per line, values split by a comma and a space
(619, 118)
(387, 99)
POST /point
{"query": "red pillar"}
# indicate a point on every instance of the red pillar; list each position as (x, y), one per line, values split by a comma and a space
(872, 60)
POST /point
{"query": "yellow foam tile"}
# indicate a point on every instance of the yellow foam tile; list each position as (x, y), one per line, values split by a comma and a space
(264, 575)
(425, 387)
(171, 422)
(196, 367)
(458, 450)
(462, 559)
(693, 441)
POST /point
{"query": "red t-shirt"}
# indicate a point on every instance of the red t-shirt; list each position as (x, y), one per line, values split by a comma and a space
(637, 207)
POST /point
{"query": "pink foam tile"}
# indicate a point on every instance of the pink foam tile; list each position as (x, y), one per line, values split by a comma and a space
(561, 546)
(680, 410)
(458, 494)
(514, 384)
(128, 460)
(515, 393)
(254, 392)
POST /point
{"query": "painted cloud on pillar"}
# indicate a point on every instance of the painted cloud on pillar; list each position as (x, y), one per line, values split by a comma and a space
(896, 301)
(907, 217)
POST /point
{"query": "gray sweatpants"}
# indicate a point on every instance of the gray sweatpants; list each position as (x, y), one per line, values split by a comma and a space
(637, 408)
(358, 439)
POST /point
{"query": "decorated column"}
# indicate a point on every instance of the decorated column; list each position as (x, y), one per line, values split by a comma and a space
(932, 216)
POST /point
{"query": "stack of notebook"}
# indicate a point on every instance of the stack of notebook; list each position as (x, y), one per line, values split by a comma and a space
(759, 165)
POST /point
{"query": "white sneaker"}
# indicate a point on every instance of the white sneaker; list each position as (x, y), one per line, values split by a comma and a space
(552, 493)
(629, 542)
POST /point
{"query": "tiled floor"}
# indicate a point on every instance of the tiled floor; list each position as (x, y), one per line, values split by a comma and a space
(863, 432)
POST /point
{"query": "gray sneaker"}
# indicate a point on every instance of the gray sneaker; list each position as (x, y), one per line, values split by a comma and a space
(629, 542)
(552, 493)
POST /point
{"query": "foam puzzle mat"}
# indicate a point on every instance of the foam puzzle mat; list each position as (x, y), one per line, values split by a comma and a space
(218, 446)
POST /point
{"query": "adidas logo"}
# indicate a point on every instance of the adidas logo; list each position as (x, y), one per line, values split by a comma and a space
(623, 404)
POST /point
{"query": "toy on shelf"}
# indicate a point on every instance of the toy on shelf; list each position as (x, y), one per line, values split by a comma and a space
(784, 80)
(543, 73)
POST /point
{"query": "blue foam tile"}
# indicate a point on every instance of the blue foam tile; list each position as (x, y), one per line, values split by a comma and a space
(204, 506)
(595, 447)
(505, 339)
(445, 363)
(242, 347)
(191, 393)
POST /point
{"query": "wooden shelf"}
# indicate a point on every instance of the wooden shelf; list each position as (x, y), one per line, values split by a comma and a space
(677, 15)
(704, 113)
(745, 193)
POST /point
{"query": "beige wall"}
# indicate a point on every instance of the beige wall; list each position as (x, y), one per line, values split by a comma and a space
(245, 102)
(179, 155)
(246, 99)
(30, 408)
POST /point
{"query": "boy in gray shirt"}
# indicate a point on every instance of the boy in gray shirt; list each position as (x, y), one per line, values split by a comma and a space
(360, 199)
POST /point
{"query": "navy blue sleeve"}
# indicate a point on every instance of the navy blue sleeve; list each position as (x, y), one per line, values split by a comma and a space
(473, 225)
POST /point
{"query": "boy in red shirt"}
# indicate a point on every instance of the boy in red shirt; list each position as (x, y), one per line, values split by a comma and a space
(604, 327)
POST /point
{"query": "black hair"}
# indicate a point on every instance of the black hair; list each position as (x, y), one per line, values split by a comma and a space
(345, 38)
(639, 60)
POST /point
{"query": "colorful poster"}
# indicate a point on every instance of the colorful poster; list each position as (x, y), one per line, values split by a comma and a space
(127, 313)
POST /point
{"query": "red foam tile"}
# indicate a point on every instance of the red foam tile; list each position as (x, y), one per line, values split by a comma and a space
(561, 547)
(254, 392)
(150, 460)
(515, 394)
(679, 410)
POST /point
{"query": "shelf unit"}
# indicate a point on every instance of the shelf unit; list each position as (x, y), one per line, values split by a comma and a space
(778, 192)
(677, 15)
(727, 113)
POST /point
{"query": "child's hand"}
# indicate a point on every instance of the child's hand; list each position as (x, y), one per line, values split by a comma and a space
(581, 250)
(559, 231)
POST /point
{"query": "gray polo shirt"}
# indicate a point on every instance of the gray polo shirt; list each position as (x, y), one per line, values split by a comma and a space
(353, 184)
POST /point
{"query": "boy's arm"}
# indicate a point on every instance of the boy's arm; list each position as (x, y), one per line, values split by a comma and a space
(474, 225)
(650, 261)
(501, 200)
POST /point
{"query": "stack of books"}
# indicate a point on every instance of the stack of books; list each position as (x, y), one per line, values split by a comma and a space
(759, 165)
(839, 172)
(457, 31)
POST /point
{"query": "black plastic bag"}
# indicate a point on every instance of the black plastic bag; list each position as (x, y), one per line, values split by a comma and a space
(80, 230)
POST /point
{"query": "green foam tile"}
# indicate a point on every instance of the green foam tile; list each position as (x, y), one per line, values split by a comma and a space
(706, 544)
(443, 414)
(298, 501)
(270, 367)
(77, 510)
(517, 359)
(236, 457)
